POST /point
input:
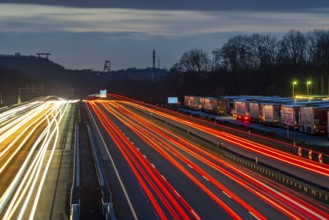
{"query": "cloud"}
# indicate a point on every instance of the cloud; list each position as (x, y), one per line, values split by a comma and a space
(127, 35)
(212, 5)
(39, 19)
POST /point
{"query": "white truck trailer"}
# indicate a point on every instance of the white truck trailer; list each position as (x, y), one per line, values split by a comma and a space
(290, 115)
(270, 113)
(254, 111)
(241, 108)
(313, 119)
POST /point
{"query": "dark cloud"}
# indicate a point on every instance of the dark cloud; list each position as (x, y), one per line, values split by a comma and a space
(243, 5)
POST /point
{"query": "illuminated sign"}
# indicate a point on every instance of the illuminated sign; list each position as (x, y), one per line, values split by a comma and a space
(102, 93)
(172, 100)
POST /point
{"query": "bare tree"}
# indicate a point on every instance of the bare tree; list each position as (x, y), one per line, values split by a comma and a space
(236, 54)
(319, 48)
(293, 49)
(195, 60)
(264, 50)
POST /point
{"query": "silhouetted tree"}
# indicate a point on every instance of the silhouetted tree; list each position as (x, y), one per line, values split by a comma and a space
(293, 48)
(195, 60)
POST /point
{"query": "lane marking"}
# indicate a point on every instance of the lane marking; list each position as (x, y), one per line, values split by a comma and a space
(227, 195)
(253, 215)
(205, 178)
(115, 168)
(196, 215)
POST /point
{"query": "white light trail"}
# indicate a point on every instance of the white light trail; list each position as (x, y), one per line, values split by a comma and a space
(27, 181)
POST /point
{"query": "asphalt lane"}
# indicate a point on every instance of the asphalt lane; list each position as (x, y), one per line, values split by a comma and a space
(297, 171)
(47, 173)
(189, 192)
(202, 203)
(128, 197)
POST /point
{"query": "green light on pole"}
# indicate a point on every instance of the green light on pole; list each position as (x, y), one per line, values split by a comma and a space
(293, 88)
(307, 84)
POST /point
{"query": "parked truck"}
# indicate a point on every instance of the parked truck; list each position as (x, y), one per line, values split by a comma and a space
(313, 119)
(207, 103)
(219, 106)
(241, 110)
(195, 102)
(270, 113)
(187, 101)
(290, 115)
(254, 111)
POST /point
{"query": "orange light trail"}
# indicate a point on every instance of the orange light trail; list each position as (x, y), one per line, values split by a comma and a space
(306, 164)
(144, 171)
(273, 197)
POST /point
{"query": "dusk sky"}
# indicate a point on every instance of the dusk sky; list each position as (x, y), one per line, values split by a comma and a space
(83, 34)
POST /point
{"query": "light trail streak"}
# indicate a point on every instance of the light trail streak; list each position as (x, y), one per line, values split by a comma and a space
(7, 130)
(148, 139)
(283, 200)
(56, 130)
(140, 164)
(306, 164)
(153, 141)
(26, 183)
(114, 166)
(12, 113)
(32, 173)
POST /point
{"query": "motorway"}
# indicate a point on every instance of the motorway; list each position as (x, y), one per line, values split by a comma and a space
(153, 170)
(35, 159)
(295, 135)
(309, 170)
(155, 173)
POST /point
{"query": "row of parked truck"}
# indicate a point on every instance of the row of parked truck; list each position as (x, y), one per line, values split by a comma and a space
(306, 115)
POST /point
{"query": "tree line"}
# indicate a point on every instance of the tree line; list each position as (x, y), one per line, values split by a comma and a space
(255, 64)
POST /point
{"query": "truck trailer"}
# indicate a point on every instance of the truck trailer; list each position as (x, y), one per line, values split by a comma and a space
(195, 102)
(207, 103)
(219, 106)
(270, 113)
(241, 110)
(290, 115)
(254, 111)
(313, 119)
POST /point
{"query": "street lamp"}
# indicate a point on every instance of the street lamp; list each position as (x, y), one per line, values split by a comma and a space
(308, 83)
(293, 88)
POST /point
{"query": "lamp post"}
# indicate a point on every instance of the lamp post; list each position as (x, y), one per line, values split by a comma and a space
(293, 88)
(308, 83)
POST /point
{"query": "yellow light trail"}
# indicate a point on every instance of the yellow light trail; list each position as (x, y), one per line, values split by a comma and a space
(27, 180)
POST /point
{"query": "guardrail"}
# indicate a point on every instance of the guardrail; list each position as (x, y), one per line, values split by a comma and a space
(318, 192)
(75, 200)
(107, 204)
